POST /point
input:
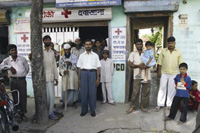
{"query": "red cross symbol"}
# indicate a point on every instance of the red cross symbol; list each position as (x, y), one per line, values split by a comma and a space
(24, 38)
(118, 31)
(66, 13)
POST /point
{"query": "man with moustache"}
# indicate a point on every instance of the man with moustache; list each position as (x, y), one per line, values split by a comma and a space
(134, 61)
(88, 64)
(78, 49)
(168, 62)
(51, 75)
(18, 71)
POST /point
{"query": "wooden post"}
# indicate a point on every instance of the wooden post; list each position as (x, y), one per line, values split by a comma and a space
(66, 91)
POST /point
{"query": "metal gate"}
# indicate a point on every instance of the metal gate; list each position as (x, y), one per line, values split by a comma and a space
(61, 34)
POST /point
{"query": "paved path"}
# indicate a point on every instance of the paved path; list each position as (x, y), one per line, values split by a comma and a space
(111, 119)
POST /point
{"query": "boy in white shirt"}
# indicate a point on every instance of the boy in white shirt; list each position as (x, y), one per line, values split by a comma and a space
(106, 77)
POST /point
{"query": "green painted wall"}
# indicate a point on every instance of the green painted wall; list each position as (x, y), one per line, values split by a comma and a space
(16, 14)
(188, 40)
(118, 20)
(118, 85)
(118, 17)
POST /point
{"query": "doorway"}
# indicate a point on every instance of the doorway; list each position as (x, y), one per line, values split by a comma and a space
(93, 32)
(135, 23)
(3, 42)
(63, 32)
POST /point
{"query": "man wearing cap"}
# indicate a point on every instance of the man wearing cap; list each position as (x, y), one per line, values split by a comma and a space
(69, 70)
(18, 71)
(78, 49)
(88, 64)
(51, 75)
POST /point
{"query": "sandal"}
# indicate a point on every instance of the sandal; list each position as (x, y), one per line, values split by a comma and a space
(130, 110)
(157, 108)
(144, 110)
(167, 118)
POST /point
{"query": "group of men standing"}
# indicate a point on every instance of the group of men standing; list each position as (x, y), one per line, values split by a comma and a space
(168, 63)
(80, 64)
(87, 64)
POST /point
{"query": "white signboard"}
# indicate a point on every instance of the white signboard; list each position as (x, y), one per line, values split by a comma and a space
(119, 43)
(183, 20)
(23, 47)
(21, 26)
(86, 3)
(69, 15)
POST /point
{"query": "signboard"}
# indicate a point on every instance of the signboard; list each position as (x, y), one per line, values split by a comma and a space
(118, 43)
(21, 26)
(23, 47)
(86, 3)
(183, 20)
(70, 15)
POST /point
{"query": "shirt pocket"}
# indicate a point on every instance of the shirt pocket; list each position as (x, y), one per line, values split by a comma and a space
(93, 62)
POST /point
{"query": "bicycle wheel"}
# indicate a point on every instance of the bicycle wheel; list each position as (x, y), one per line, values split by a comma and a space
(4, 127)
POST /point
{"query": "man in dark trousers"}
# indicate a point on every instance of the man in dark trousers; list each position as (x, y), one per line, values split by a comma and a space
(19, 70)
(88, 64)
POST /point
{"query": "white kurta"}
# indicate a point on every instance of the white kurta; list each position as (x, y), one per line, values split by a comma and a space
(106, 70)
(72, 74)
(106, 79)
(72, 85)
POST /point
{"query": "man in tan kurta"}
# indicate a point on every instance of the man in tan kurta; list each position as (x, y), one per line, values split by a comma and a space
(69, 70)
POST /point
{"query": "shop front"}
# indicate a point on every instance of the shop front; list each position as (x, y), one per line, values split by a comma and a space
(68, 24)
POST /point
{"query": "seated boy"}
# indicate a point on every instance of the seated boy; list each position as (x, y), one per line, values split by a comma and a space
(194, 97)
(183, 85)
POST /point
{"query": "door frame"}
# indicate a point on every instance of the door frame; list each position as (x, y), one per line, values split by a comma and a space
(168, 31)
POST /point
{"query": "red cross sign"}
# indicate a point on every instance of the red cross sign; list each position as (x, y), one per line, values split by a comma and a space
(66, 13)
(24, 38)
(118, 31)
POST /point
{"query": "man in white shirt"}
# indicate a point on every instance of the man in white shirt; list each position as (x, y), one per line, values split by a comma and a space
(134, 62)
(88, 64)
(51, 75)
(18, 71)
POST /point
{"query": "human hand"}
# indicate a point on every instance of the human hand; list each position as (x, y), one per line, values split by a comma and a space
(13, 70)
(79, 83)
(97, 82)
(182, 81)
(56, 82)
(66, 71)
(68, 63)
(148, 63)
(159, 74)
(142, 66)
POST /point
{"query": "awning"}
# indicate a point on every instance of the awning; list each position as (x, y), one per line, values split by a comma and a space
(4, 16)
(151, 6)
